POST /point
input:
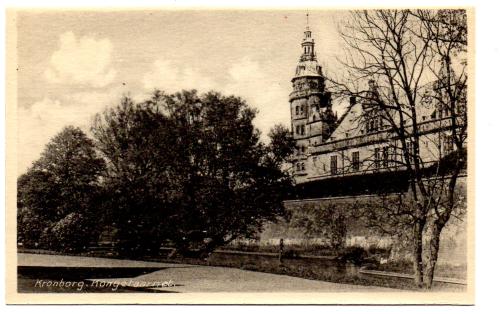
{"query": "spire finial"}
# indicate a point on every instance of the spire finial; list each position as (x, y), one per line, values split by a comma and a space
(307, 18)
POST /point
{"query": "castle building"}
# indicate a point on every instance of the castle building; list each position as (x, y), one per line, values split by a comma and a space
(360, 142)
(310, 104)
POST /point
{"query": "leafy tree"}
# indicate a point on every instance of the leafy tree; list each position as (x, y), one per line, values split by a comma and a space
(190, 169)
(63, 183)
(137, 144)
(281, 145)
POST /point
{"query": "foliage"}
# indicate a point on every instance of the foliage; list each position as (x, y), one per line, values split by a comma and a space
(190, 169)
(29, 228)
(282, 144)
(63, 183)
(138, 152)
(353, 254)
(71, 230)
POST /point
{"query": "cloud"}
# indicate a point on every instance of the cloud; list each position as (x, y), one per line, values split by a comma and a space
(47, 117)
(259, 87)
(41, 121)
(167, 76)
(84, 61)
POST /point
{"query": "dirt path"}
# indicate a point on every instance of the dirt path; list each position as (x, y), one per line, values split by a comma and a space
(193, 278)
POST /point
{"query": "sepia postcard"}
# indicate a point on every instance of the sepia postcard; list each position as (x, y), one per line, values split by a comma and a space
(240, 156)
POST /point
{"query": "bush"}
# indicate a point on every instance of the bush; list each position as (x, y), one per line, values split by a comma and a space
(73, 233)
(134, 241)
(353, 254)
(291, 254)
(30, 227)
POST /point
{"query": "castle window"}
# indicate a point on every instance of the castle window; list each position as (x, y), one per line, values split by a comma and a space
(409, 147)
(302, 130)
(333, 164)
(297, 129)
(355, 161)
(297, 110)
(302, 109)
(303, 167)
(385, 154)
(448, 145)
(377, 158)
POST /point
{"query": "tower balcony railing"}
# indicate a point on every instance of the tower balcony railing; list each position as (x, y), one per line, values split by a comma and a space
(304, 93)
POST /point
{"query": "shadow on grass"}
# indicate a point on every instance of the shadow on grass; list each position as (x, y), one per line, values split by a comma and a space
(41, 279)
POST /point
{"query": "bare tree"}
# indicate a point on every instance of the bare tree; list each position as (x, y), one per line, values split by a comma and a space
(413, 60)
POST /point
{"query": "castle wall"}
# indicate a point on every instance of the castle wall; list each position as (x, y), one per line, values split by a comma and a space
(453, 244)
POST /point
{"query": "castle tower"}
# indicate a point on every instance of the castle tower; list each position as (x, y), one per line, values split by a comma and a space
(310, 104)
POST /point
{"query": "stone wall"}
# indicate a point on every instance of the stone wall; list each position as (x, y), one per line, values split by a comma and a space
(453, 237)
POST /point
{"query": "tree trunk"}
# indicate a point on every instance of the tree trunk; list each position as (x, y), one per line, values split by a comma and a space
(430, 251)
(417, 253)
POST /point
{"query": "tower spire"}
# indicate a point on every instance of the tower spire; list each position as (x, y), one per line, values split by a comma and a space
(308, 43)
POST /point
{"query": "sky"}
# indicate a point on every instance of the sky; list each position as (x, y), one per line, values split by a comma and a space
(74, 64)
